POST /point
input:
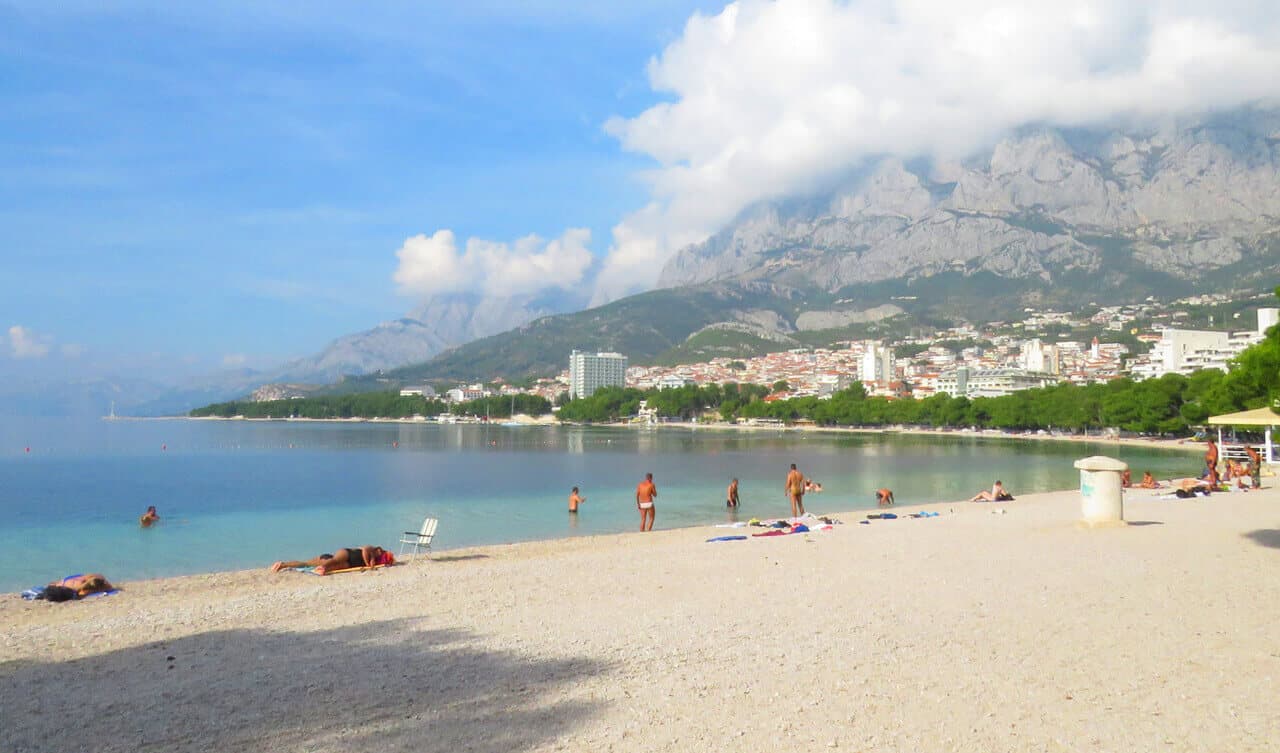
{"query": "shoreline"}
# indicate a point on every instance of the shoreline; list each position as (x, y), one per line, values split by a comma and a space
(1185, 444)
(973, 631)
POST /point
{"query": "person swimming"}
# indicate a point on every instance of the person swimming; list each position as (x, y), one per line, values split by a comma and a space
(149, 517)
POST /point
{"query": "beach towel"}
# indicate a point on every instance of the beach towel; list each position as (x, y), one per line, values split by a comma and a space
(800, 528)
(731, 525)
(727, 538)
(42, 593)
(311, 570)
(774, 532)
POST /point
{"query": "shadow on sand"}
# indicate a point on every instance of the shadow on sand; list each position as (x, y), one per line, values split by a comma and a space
(458, 557)
(1269, 537)
(384, 686)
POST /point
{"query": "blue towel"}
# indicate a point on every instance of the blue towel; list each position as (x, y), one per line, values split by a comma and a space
(727, 538)
(37, 592)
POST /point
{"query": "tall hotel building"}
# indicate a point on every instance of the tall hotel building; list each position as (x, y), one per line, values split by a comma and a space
(589, 372)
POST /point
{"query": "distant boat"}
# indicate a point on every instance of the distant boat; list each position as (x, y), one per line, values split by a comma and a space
(112, 415)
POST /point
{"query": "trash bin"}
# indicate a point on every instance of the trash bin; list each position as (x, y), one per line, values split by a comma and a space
(1101, 496)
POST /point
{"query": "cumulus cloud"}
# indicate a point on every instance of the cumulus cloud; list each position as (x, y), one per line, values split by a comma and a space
(431, 265)
(769, 99)
(26, 344)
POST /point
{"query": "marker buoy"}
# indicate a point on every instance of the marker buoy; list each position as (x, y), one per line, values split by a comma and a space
(28, 450)
(395, 444)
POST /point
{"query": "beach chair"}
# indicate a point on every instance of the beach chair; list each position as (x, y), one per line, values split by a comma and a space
(420, 539)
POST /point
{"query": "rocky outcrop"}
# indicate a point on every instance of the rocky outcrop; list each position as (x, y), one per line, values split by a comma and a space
(1198, 195)
(811, 321)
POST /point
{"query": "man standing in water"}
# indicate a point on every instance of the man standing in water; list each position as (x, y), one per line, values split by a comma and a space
(731, 500)
(645, 494)
(575, 500)
(795, 491)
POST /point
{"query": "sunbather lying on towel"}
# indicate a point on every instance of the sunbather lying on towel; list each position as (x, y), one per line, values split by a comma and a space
(70, 588)
(342, 559)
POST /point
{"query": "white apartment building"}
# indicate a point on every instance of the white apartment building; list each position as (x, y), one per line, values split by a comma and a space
(1041, 358)
(589, 372)
(877, 363)
(1182, 351)
(966, 382)
(426, 391)
(466, 394)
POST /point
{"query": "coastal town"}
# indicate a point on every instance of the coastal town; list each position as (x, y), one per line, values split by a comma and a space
(990, 360)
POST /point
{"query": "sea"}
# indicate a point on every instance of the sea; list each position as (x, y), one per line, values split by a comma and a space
(235, 495)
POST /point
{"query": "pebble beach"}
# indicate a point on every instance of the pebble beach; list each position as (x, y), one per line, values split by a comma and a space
(987, 628)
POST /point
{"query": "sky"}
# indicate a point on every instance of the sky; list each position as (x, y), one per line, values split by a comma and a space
(223, 184)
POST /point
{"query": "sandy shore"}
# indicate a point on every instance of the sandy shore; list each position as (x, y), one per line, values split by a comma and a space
(972, 631)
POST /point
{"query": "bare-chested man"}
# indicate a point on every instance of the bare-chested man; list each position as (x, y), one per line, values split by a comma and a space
(1211, 462)
(646, 492)
(884, 497)
(575, 500)
(795, 491)
(731, 496)
(1255, 466)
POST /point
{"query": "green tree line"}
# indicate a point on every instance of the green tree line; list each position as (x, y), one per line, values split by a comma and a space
(374, 405)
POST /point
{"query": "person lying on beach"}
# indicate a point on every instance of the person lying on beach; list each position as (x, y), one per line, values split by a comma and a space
(342, 559)
(149, 517)
(77, 587)
(1190, 487)
(884, 497)
(997, 494)
(1148, 481)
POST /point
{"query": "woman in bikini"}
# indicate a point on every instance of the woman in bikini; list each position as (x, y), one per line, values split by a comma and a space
(82, 585)
(342, 559)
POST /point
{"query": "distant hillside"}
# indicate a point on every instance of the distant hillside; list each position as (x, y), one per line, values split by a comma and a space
(640, 326)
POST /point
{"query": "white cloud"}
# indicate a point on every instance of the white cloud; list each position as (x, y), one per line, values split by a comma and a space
(234, 360)
(433, 265)
(27, 344)
(769, 99)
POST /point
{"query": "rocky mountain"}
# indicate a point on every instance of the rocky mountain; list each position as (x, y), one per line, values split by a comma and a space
(1052, 218)
(1176, 202)
(437, 325)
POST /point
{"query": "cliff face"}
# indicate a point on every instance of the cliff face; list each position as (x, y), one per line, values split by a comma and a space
(1179, 200)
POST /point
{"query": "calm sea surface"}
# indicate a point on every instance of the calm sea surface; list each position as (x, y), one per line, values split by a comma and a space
(236, 495)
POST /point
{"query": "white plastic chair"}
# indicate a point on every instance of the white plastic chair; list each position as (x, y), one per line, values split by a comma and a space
(420, 539)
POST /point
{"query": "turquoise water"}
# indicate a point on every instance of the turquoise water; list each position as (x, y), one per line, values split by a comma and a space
(236, 495)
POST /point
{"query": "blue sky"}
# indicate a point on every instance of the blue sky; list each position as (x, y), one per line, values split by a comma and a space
(197, 182)
(189, 184)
